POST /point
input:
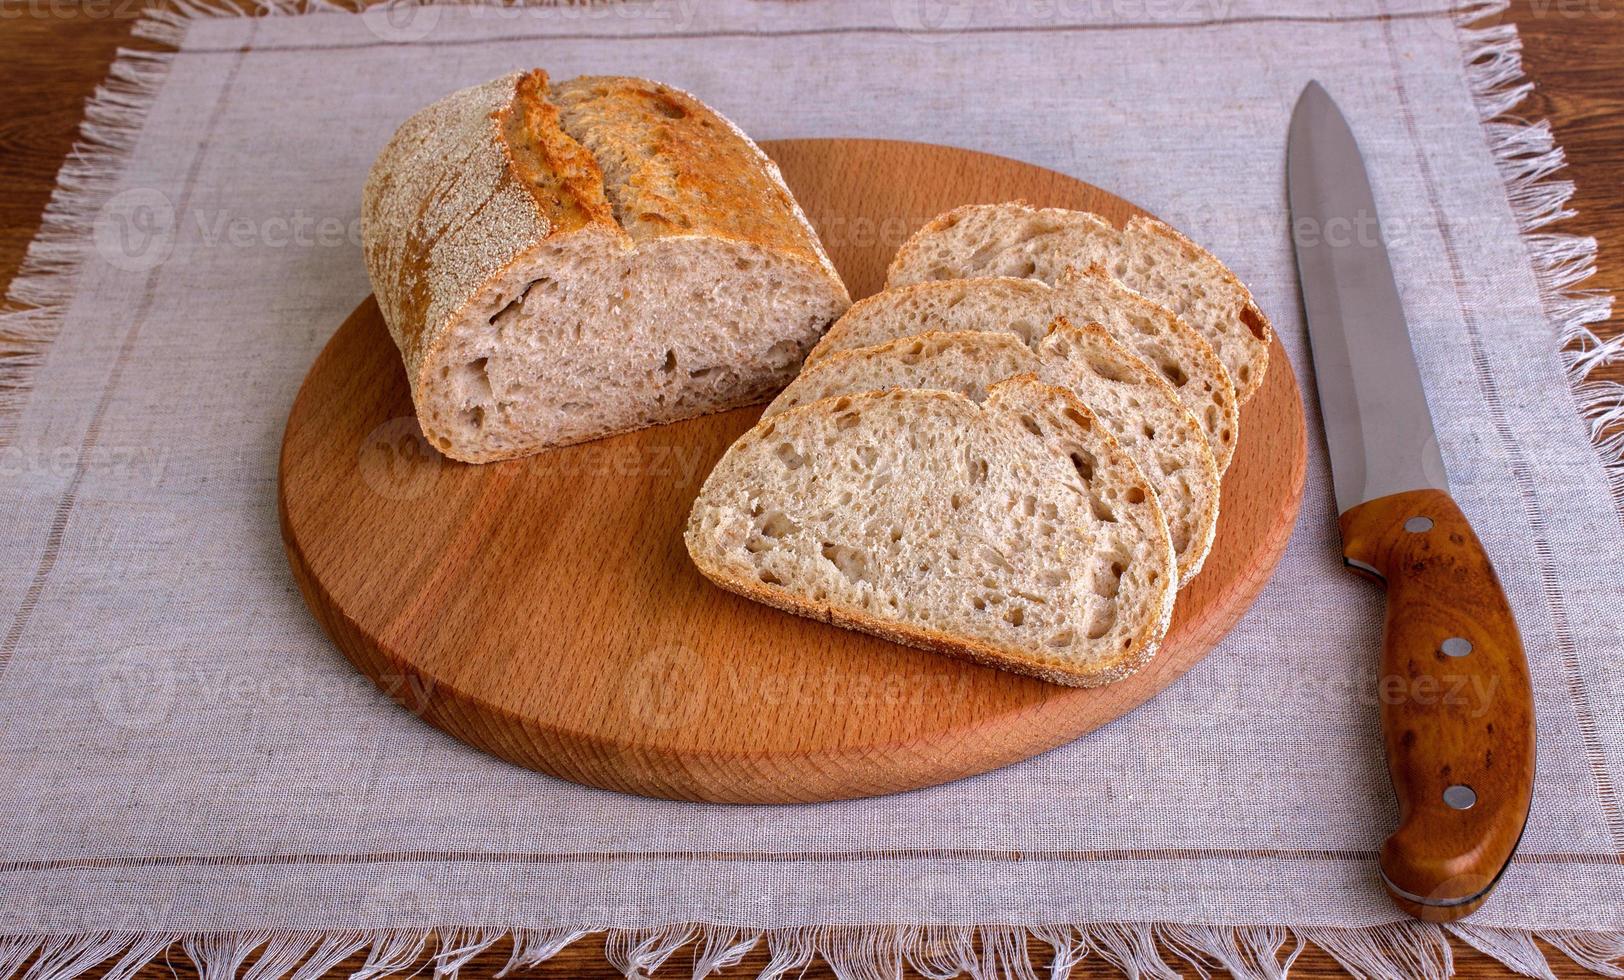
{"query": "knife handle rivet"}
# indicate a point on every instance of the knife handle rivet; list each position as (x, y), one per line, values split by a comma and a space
(1418, 525)
(1456, 646)
(1460, 797)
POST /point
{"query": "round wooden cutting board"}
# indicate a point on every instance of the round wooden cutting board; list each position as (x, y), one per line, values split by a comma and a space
(546, 611)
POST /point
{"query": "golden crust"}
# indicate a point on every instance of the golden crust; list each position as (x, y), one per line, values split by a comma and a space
(480, 180)
(672, 166)
(557, 170)
(443, 212)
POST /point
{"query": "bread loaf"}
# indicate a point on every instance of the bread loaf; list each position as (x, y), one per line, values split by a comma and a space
(1014, 533)
(558, 263)
(1134, 403)
(1026, 307)
(1149, 257)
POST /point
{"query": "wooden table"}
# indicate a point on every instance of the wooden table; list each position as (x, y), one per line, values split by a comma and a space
(55, 53)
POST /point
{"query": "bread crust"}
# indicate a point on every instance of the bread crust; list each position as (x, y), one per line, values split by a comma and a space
(489, 176)
(1147, 638)
(672, 166)
(446, 207)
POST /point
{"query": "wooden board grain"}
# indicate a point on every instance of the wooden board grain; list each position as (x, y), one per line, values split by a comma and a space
(546, 610)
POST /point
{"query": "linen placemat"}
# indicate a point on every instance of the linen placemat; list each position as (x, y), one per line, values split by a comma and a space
(187, 758)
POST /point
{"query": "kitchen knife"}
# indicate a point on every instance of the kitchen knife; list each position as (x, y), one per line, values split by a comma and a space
(1457, 707)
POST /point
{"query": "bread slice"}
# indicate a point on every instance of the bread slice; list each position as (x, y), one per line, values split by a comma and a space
(1015, 533)
(1149, 257)
(1139, 408)
(562, 262)
(1026, 307)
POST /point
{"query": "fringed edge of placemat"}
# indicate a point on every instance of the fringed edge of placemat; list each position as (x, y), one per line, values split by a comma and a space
(1527, 156)
(1400, 951)
(37, 298)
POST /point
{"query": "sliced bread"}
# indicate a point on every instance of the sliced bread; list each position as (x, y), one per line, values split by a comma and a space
(1135, 404)
(1014, 239)
(1026, 307)
(1015, 533)
(562, 262)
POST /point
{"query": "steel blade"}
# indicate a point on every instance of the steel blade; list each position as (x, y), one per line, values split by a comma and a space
(1377, 424)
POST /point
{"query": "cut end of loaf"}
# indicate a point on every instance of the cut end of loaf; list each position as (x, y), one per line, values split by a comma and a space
(585, 339)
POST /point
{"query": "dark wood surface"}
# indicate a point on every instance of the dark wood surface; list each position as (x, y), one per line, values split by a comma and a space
(53, 55)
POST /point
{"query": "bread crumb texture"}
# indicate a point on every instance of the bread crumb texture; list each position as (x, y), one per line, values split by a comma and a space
(1026, 308)
(1013, 239)
(1140, 410)
(1015, 533)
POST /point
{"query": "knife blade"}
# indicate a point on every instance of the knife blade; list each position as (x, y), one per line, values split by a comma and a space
(1456, 698)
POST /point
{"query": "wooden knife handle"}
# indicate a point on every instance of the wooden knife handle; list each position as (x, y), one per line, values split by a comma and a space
(1457, 706)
